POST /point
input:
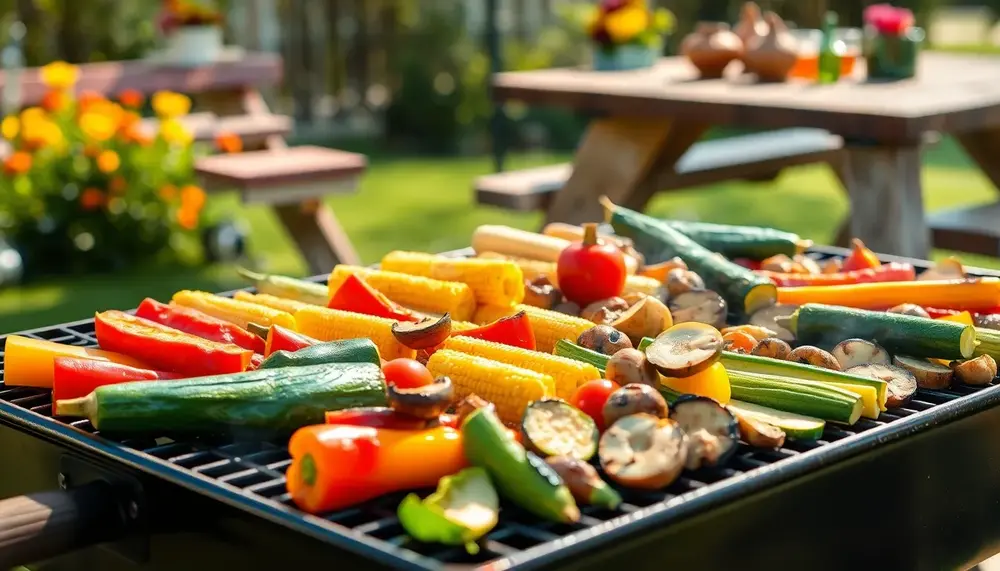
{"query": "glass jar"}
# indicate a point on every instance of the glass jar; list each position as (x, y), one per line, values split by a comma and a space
(892, 57)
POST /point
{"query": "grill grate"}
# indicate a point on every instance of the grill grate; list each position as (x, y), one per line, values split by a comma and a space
(257, 469)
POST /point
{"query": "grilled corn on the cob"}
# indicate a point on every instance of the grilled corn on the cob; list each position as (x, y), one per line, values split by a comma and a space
(547, 325)
(273, 301)
(332, 324)
(511, 389)
(493, 282)
(422, 294)
(233, 310)
(536, 268)
(523, 244)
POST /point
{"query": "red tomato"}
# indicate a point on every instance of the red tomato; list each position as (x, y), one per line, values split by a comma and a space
(591, 396)
(406, 374)
(589, 271)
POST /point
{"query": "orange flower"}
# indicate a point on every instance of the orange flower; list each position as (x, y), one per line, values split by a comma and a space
(117, 185)
(60, 75)
(132, 98)
(18, 162)
(168, 192)
(91, 151)
(192, 197)
(91, 199)
(54, 101)
(170, 105)
(229, 142)
(108, 162)
(187, 218)
(98, 126)
(87, 99)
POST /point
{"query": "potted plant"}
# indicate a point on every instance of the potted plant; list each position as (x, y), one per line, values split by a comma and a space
(892, 42)
(627, 34)
(194, 31)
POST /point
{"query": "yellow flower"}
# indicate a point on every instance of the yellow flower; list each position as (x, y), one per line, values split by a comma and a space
(33, 114)
(60, 75)
(10, 127)
(169, 105)
(108, 162)
(41, 132)
(175, 133)
(624, 25)
(98, 126)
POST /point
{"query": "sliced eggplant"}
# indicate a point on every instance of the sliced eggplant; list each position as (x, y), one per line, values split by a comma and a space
(643, 451)
(634, 399)
(814, 356)
(760, 434)
(902, 385)
(929, 375)
(774, 348)
(630, 366)
(427, 402)
(987, 320)
(854, 352)
(768, 316)
(705, 307)
(553, 427)
(584, 482)
(682, 281)
(978, 371)
(712, 430)
(604, 339)
(423, 334)
(685, 349)
(910, 309)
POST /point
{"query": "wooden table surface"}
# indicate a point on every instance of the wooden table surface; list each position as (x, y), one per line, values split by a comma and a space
(650, 117)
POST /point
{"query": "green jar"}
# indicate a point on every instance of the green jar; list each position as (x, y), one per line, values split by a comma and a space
(892, 57)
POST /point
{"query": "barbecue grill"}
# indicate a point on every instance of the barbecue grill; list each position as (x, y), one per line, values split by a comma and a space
(916, 489)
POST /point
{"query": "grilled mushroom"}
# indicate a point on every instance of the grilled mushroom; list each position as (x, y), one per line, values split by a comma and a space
(712, 430)
(427, 402)
(604, 339)
(634, 398)
(643, 451)
(423, 334)
(630, 366)
(685, 349)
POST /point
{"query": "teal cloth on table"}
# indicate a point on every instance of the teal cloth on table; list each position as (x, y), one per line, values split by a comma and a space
(625, 57)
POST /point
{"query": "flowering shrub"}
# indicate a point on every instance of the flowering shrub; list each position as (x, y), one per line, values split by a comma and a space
(619, 22)
(85, 187)
(179, 13)
(888, 20)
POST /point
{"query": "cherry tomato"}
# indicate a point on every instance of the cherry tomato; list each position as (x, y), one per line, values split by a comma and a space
(406, 374)
(589, 271)
(591, 396)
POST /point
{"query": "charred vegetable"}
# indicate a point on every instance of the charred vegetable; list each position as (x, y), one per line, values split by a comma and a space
(471, 404)
(464, 508)
(682, 281)
(901, 383)
(758, 433)
(946, 269)
(422, 334)
(712, 431)
(604, 311)
(634, 399)
(630, 366)
(814, 356)
(540, 292)
(553, 427)
(929, 375)
(427, 401)
(648, 317)
(910, 309)
(773, 348)
(643, 451)
(685, 349)
(738, 342)
(584, 482)
(757, 332)
(854, 352)
(604, 339)
(987, 321)
(978, 371)
(769, 316)
(796, 426)
(705, 307)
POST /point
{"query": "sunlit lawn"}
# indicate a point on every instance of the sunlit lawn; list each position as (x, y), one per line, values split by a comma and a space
(427, 204)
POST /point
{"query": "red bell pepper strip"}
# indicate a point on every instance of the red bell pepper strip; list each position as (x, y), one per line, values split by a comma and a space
(891, 272)
(860, 258)
(75, 377)
(255, 361)
(936, 312)
(356, 296)
(282, 339)
(166, 348)
(199, 324)
(514, 330)
(375, 417)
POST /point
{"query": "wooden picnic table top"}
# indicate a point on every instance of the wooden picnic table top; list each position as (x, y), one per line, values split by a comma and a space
(951, 93)
(253, 69)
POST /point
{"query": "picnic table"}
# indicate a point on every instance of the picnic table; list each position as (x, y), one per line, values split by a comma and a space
(291, 180)
(649, 118)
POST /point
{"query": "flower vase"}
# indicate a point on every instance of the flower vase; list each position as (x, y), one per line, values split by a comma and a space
(195, 45)
(625, 57)
(892, 57)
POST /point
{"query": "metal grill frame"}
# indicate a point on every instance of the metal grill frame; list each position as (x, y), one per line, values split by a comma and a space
(545, 545)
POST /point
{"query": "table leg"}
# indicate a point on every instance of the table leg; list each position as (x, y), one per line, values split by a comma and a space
(887, 209)
(318, 235)
(983, 147)
(621, 158)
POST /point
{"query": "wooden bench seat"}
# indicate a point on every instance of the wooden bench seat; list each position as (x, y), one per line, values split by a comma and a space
(973, 230)
(254, 130)
(745, 157)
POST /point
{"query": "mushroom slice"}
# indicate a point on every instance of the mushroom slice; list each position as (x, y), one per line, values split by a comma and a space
(768, 318)
(699, 306)
(946, 269)
(685, 349)
(423, 334)
(604, 339)
(902, 385)
(854, 352)
(584, 482)
(978, 371)
(713, 432)
(682, 281)
(929, 375)
(643, 451)
(648, 317)
(427, 402)
(772, 348)
(633, 399)
(814, 356)
(760, 434)
(553, 427)
(604, 311)
(631, 366)
(910, 309)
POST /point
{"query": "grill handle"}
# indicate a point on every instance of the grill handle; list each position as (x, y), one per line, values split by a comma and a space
(41, 526)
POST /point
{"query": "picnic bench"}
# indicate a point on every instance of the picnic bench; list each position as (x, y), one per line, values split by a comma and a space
(226, 97)
(651, 118)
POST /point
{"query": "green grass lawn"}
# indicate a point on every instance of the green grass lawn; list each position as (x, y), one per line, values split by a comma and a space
(427, 204)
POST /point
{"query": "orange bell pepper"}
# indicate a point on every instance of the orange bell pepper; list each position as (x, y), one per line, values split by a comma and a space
(336, 466)
(356, 296)
(964, 294)
(168, 349)
(860, 258)
(713, 382)
(31, 362)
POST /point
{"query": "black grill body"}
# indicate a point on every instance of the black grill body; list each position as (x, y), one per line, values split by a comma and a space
(917, 489)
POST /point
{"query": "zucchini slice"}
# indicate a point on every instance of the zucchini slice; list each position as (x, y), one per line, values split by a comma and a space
(553, 427)
(796, 426)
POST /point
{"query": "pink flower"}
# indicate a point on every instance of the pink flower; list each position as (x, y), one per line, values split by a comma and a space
(888, 20)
